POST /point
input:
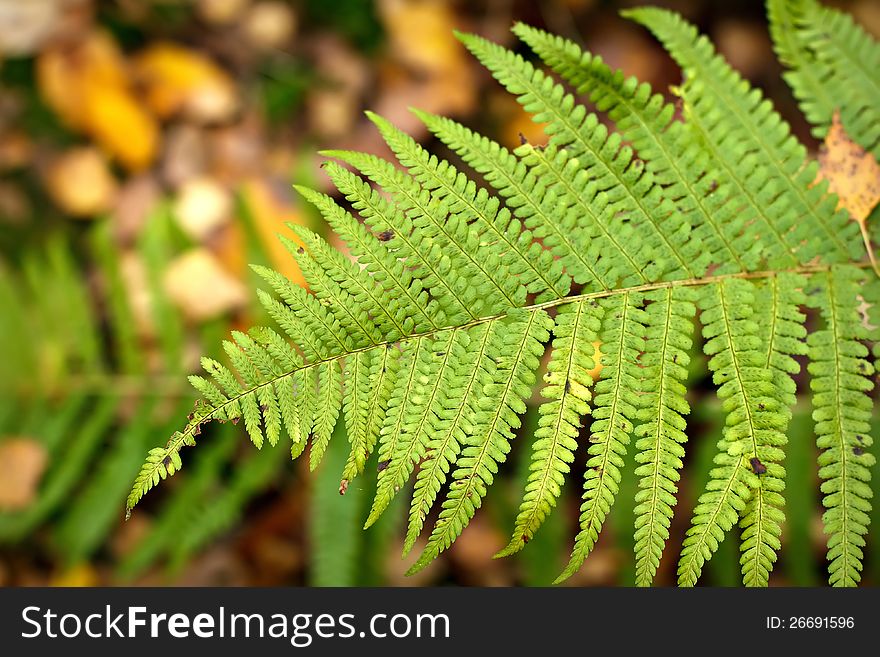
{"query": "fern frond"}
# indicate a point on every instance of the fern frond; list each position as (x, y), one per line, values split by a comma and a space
(513, 249)
(834, 64)
(616, 400)
(675, 161)
(567, 386)
(668, 329)
(609, 165)
(431, 362)
(453, 418)
(430, 336)
(511, 359)
(525, 193)
(753, 138)
(842, 411)
(459, 246)
(780, 328)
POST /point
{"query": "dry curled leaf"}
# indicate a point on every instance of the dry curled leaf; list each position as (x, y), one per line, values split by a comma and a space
(22, 462)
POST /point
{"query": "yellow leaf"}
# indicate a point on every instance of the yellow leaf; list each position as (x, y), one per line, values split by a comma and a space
(852, 172)
(65, 74)
(87, 86)
(421, 33)
(118, 123)
(177, 79)
(854, 175)
(22, 462)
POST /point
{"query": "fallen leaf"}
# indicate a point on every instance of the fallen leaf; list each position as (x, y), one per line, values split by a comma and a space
(81, 575)
(67, 73)
(202, 289)
(88, 87)
(22, 462)
(421, 33)
(202, 206)
(269, 24)
(421, 38)
(177, 79)
(221, 12)
(852, 172)
(120, 126)
(80, 182)
(24, 26)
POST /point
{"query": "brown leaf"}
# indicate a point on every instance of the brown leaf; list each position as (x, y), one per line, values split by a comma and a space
(22, 462)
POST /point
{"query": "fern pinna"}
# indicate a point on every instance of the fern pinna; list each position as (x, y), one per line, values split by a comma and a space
(602, 247)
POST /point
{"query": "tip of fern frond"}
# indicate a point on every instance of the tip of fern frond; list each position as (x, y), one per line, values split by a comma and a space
(303, 190)
(465, 37)
(335, 153)
(419, 565)
(372, 518)
(516, 544)
(561, 579)
(641, 14)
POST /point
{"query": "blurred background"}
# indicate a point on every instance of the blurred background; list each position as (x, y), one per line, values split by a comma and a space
(147, 151)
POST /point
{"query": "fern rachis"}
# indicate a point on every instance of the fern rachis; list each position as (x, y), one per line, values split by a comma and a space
(430, 342)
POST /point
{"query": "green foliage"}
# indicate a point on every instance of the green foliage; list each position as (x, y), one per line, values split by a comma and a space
(613, 242)
(833, 63)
